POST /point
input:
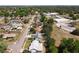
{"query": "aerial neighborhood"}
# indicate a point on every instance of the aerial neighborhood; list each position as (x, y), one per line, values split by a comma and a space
(42, 29)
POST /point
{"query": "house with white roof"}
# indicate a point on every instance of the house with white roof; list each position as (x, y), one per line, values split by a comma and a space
(9, 35)
(50, 15)
(36, 46)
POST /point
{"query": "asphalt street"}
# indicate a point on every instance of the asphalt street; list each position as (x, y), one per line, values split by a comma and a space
(17, 47)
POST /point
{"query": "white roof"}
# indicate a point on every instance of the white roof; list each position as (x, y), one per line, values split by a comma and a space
(39, 35)
(49, 14)
(33, 51)
(62, 20)
(35, 45)
(9, 35)
(19, 27)
(66, 27)
(54, 13)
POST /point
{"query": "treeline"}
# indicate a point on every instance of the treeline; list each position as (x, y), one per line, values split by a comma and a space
(14, 11)
(69, 45)
(47, 28)
(71, 11)
(66, 9)
(60, 9)
(24, 11)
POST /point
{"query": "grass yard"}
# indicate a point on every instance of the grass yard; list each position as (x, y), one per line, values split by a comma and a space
(1, 30)
(77, 27)
(27, 43)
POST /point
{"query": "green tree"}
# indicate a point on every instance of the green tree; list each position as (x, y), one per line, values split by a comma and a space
(69, 46)
(76, 46)
(32, 30)
(42, 18)
(50, 21)
(51, 46)
(3, 47)
(71, 15)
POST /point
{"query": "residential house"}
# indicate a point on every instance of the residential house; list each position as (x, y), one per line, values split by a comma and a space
(9, 35)
(16, 24)
(36, 46)
(50, 15)
(5, 27)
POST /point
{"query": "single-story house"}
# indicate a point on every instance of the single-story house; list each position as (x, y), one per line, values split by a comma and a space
(5, 27)
(36, 46)
(9, 35)
(51, 14)
(16, 24)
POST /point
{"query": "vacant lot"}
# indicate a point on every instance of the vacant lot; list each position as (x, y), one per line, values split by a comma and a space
(58, 34)
(77, 25)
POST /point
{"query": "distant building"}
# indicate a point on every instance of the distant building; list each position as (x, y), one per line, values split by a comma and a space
(59, 19)
(67, 27)
(50, 15)
(64, 23)
(9, 35)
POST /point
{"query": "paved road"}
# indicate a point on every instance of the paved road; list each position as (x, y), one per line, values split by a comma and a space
(17, 47)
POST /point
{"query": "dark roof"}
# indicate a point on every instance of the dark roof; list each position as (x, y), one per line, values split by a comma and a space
(75, 32)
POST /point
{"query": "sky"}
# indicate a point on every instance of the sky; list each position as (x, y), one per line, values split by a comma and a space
(39, 2)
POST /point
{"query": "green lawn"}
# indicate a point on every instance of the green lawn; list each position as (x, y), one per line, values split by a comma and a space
(1, 30)
(77, 26)
(27, 43)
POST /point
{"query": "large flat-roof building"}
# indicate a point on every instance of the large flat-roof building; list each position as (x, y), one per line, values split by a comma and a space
(64, 23)
(67, 27)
